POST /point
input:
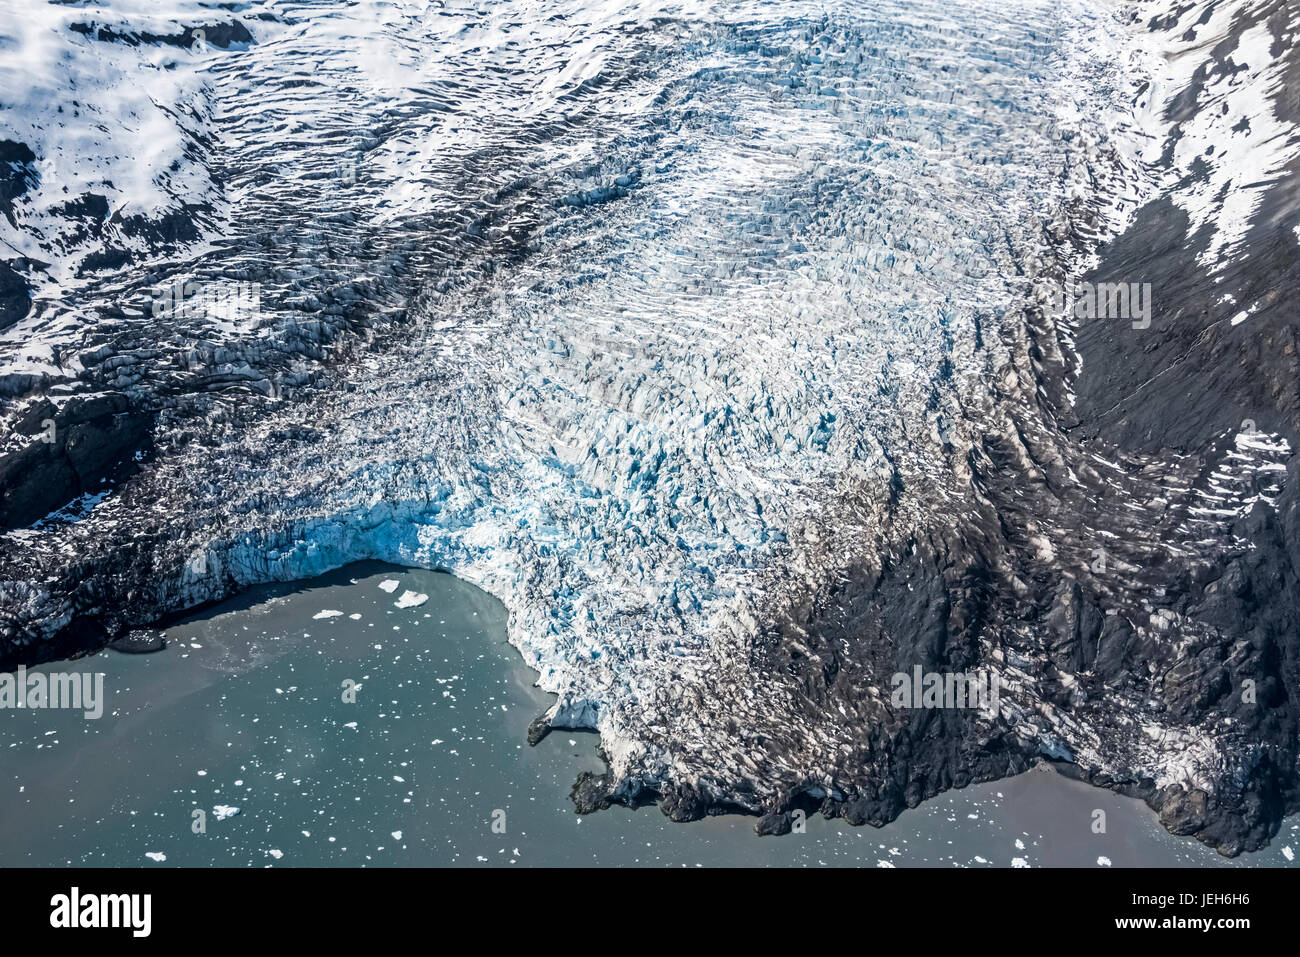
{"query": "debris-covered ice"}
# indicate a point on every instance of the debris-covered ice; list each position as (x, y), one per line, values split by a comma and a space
(704, 335)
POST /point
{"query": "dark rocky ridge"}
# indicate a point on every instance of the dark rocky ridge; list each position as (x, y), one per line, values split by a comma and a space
(1179, 386)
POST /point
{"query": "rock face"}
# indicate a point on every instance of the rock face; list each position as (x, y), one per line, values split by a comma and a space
(69, 452)
(732, 364)
(14, 300)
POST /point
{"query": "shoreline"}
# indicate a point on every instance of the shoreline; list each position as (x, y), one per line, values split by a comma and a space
(1037, 819)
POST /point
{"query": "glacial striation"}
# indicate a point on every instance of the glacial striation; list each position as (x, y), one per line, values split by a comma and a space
(753, 354)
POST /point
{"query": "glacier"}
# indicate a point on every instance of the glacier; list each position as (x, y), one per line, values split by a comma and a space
(709, 338)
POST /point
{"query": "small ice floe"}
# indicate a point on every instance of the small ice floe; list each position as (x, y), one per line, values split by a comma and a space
(1288, 853)
(1103, 861)
(355, 616)
(1019, 862)
(158, 856)
(277, 854)
(411, 599)
(885, 864)
(223, 811)
(326, 613)
(397, 835)
(389, 585)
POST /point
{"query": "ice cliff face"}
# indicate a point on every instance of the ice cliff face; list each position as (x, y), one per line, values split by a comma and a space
(709, 337)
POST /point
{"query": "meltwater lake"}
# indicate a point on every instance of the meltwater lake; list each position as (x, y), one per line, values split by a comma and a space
(243, 717)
